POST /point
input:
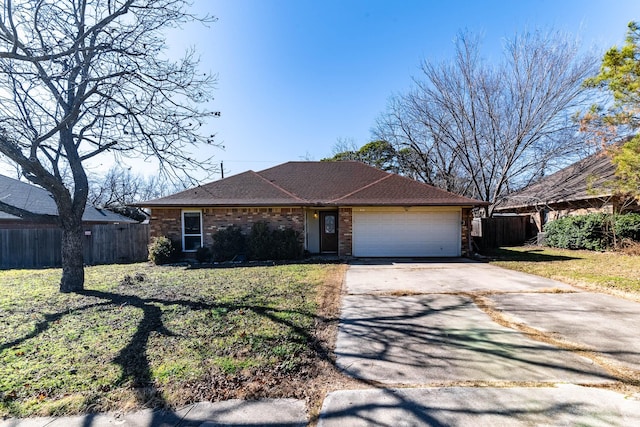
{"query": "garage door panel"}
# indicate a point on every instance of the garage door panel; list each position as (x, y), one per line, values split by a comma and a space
(404, 234)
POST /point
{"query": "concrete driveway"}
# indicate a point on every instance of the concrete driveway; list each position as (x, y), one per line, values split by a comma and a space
(445, 343)
(441, 276)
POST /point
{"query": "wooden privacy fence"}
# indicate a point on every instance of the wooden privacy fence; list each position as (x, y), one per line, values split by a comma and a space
(499, 231)
(103, 244)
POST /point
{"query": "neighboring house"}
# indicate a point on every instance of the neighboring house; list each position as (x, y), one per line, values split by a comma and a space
(581, 188)
(39, 201)
(345, 208)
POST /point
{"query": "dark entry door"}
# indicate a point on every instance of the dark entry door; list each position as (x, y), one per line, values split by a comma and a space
(328, 231)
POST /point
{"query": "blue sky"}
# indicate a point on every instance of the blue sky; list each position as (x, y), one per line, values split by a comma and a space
(296, 75)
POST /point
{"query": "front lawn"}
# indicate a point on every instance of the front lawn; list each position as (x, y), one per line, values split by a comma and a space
(147, 336)
(607, 271)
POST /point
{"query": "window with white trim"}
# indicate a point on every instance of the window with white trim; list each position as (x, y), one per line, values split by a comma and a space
(191, 230)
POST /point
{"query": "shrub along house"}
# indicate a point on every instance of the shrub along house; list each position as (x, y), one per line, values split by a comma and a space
(344, 208)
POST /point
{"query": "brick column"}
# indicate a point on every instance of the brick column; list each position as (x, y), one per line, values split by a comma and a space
(467, 217)
(345, 232)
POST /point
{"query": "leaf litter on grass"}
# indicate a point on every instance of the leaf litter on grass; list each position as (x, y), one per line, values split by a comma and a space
(146, 336)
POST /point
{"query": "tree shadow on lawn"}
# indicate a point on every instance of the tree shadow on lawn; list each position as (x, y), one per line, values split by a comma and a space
(43, 325)
(136, 369)
(528, 255)
(133, 359)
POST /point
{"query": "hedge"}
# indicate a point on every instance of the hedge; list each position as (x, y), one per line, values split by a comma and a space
(596, 231)
(228, 243)
(261, 244)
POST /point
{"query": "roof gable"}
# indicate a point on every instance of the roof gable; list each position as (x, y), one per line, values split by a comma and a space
(323, 181)
(312, 184)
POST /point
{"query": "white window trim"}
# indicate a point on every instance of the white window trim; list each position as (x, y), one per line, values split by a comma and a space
(199, 211)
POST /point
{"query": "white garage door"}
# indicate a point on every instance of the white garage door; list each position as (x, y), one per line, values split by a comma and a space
(384, 233)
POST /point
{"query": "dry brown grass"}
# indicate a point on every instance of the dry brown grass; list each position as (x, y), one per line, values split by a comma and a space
(615, 273)
(328, 378)
(630, 248)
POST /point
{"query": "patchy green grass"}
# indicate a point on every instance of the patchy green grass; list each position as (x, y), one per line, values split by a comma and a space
(146, 336)
(609, 271)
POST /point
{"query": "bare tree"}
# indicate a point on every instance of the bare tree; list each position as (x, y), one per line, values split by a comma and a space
(119, 188)
(484, 130)
(424, 154)
(344, 149)
(80, 79)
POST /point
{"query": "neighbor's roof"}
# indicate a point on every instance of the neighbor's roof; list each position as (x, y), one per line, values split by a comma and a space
(589, 178)
(314, 184)
(39, 201)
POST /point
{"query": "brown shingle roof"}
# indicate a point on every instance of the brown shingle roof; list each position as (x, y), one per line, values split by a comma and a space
(587, 179)
(314, 183)
(323, 181)
(245, 189)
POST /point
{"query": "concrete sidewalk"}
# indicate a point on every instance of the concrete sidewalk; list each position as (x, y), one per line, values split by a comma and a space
(267, 412)
(566, 405)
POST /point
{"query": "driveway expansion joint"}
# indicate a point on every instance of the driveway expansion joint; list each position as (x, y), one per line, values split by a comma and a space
(447, 329)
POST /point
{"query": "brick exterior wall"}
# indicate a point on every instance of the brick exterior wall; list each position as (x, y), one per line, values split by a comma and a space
(345, 232)
(168, 222)
(554, 211)
(467, 218)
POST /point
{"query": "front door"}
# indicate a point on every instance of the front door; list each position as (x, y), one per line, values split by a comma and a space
(328, 231)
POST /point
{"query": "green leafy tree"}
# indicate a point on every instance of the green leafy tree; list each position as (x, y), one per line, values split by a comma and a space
(619, 77)
(379, 154)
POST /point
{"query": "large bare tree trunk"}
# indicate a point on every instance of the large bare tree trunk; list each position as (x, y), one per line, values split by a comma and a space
(72, 258)
(89, 78)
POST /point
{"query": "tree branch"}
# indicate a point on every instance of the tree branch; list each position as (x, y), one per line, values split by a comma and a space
(27, 215)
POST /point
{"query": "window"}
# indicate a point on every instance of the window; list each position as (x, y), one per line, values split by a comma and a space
(191, 230)
(329, 224)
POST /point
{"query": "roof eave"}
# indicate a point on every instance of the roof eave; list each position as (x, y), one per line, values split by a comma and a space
(553, 202)
(308, 204)
(216, 205)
